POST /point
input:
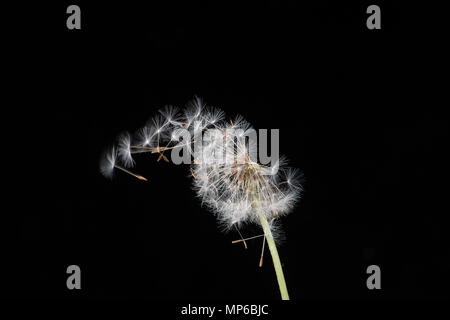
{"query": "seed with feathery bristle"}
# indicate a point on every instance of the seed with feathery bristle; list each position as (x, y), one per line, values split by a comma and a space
(108, 162)
(125, 150)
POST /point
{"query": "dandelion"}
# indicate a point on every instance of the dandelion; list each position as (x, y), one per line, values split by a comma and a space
(226, 176)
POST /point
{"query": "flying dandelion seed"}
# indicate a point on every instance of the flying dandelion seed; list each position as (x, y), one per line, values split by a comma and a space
(226, 176)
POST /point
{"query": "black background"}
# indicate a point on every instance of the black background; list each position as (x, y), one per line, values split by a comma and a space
(359, 112)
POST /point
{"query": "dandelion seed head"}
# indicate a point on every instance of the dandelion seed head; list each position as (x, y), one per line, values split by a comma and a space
(238, 190)
(226, 176)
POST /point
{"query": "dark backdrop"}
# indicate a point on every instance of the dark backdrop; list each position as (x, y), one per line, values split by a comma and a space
(357, 112)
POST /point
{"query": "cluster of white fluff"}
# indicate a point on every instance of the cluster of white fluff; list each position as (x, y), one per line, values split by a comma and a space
(226, 178)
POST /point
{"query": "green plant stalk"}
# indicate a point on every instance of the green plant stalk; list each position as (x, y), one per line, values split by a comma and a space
(275, 257)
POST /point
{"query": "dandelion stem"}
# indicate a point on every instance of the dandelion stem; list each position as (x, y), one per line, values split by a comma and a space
(275, 257)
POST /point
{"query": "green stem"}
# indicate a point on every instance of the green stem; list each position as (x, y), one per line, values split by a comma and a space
(275, 257)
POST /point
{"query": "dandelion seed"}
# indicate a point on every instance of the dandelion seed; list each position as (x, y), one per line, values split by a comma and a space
(249, 238)
(125, 150)
(262, 252)
(170, 114)
(108, 162)
(146, 136)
